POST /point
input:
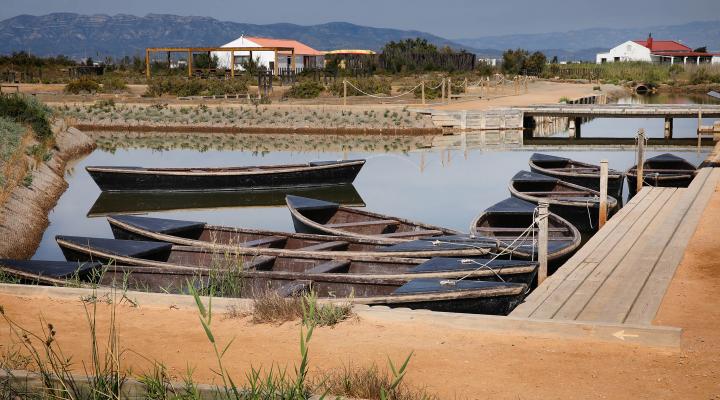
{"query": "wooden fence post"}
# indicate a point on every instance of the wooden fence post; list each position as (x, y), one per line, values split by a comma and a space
(602, 218)
(442, 91)
(542, 240)
(640, 159)
(449, 90)
(344, 92)
(699, 130)
(422, 91)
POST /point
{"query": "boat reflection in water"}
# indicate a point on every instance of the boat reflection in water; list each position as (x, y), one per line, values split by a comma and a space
(141, 202)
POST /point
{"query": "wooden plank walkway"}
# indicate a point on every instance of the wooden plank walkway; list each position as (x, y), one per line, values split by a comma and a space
(622, 110)
(621, 274)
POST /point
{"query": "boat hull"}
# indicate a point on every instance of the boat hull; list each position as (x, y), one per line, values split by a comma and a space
(138, 179)
(615, 184)
(662, 181)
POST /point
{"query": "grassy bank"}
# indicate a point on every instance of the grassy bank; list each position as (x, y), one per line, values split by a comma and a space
(640, 72)
(24, 130)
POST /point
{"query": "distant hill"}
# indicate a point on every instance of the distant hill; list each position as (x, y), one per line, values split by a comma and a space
(79, 36)
(583, 44)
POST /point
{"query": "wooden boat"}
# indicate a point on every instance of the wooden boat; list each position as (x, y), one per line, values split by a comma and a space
(579, 173)
(166, 255)
(665, 170)
(324, 217)
(231, 178)
(254, 241)
(487, 286)
(109, 203)
(507, 220)
(578, 205)
(47, 272)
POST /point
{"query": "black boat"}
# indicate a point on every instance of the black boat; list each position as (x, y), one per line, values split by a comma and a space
(256, 241)
(579, 173)
(109, 203)
(324, 217)
(231, 178)
(577, 204)
(508, 220)
(48, 272)
(456, 285)
(665, 170)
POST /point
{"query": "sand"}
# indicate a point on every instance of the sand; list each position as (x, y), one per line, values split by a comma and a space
(451, 363)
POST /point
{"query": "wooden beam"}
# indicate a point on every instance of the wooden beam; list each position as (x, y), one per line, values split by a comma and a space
(189, 63)
(602, 218)
(147, 64)
(232, 63)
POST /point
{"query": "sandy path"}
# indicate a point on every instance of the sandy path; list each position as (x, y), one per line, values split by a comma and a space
(539, 92)
(451, 363)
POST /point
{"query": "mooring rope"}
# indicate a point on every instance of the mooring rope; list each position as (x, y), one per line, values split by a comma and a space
(509, 249)
(382, 97)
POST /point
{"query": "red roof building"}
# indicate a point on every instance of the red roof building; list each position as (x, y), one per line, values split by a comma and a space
(657, 51)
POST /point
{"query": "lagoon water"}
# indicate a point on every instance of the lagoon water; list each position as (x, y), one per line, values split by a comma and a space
(442, 187)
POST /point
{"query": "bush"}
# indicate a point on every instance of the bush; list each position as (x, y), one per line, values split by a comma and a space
(82, 85)
(23, 109)
(373, 85)
(702, 75)
(10, 136)
(114, 84)
(183, 87)
(309, 89)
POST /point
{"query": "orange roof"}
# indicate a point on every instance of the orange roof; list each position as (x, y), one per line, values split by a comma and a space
(300, 48)
(663, 45)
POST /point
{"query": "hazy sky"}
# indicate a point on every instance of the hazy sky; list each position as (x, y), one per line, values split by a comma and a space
(448, 18)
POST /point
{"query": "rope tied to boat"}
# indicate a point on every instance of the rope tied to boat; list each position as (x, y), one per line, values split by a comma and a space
(587, 206)
(507, 250)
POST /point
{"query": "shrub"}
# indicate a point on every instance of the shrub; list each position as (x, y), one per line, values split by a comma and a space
(183, 87)
(114, 84)
(27, 110)
(373, 85)
(82, 85)
(309, 89)
(10, 136)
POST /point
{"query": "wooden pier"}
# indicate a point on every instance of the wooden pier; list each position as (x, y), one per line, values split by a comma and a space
(621, 275)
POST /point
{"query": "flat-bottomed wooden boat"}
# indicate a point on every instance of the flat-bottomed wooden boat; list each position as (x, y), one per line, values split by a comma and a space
(255, 241)
(579, 173)
(665, 170)
(230, 178)
(576, 204)
(324, 217)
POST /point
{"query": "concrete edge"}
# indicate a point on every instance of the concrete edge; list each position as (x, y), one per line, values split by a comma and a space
(642, 335)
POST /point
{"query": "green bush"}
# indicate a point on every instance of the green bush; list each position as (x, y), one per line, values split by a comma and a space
(28, 110)
(373, 85)
(10, 136)
(309, 89)
(82, 85)
(183, 87)
(114, 84)
(702, 75)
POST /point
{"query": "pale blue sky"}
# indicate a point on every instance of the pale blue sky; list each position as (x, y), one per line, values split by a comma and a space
(448, 18)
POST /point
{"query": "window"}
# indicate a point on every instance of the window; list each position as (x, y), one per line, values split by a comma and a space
(616, 59)
(603, 60)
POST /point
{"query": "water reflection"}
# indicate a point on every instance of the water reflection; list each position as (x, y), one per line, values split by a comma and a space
(144, 202)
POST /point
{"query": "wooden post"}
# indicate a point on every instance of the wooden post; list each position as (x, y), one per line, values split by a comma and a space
(699, 130)
(189, 63)
(640, 159)
(232, 63)
(147, 63)
(668, 128)
(344, 92)
(422, 91)
(465, 84)
(293, 65)
(276, 66)
(542, 240)
(442, 91)
(449, 90)
(603, 193)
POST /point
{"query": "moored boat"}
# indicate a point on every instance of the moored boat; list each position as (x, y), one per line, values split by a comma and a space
(255, 241)
(665, 170)
(511, 223)
(112, 178)
(576, 204)
(324, 217)
(579, 173)
(48, 272)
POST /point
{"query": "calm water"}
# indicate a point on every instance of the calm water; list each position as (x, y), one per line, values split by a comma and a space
(449, 189)
(448, 193)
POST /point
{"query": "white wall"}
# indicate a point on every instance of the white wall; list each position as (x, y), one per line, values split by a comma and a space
(715, 60)
(265, 57)
(628, 51)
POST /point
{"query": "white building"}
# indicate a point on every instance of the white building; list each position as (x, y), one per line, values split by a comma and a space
(305, 56)
(656, 51)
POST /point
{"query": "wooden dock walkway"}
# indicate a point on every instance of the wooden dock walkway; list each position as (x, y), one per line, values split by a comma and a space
(621, 274)
(622, 110)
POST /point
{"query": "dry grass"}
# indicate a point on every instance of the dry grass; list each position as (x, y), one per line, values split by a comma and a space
(269, 307)
(366, 383)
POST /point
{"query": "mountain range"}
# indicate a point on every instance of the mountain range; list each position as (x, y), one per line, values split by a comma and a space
(79, 36)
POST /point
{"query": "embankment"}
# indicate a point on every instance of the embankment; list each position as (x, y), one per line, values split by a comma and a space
(24, 214)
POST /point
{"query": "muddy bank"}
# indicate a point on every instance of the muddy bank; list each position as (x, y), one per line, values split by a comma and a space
(24, 215)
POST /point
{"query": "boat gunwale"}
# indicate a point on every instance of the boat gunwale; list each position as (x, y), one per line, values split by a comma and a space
(612, 174)
(221, 171)
(612, 201)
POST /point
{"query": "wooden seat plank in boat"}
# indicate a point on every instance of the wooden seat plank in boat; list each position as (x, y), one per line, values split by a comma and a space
(363, 223)
(270, 240)
(429, 232)
(329, 267)
(336, 245)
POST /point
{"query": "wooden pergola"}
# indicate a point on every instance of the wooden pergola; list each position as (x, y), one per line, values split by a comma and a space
(192, 50)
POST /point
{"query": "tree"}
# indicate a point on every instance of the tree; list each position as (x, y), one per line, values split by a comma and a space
(701, 49)
(513, 61)
(554, 60)
(535, 64)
